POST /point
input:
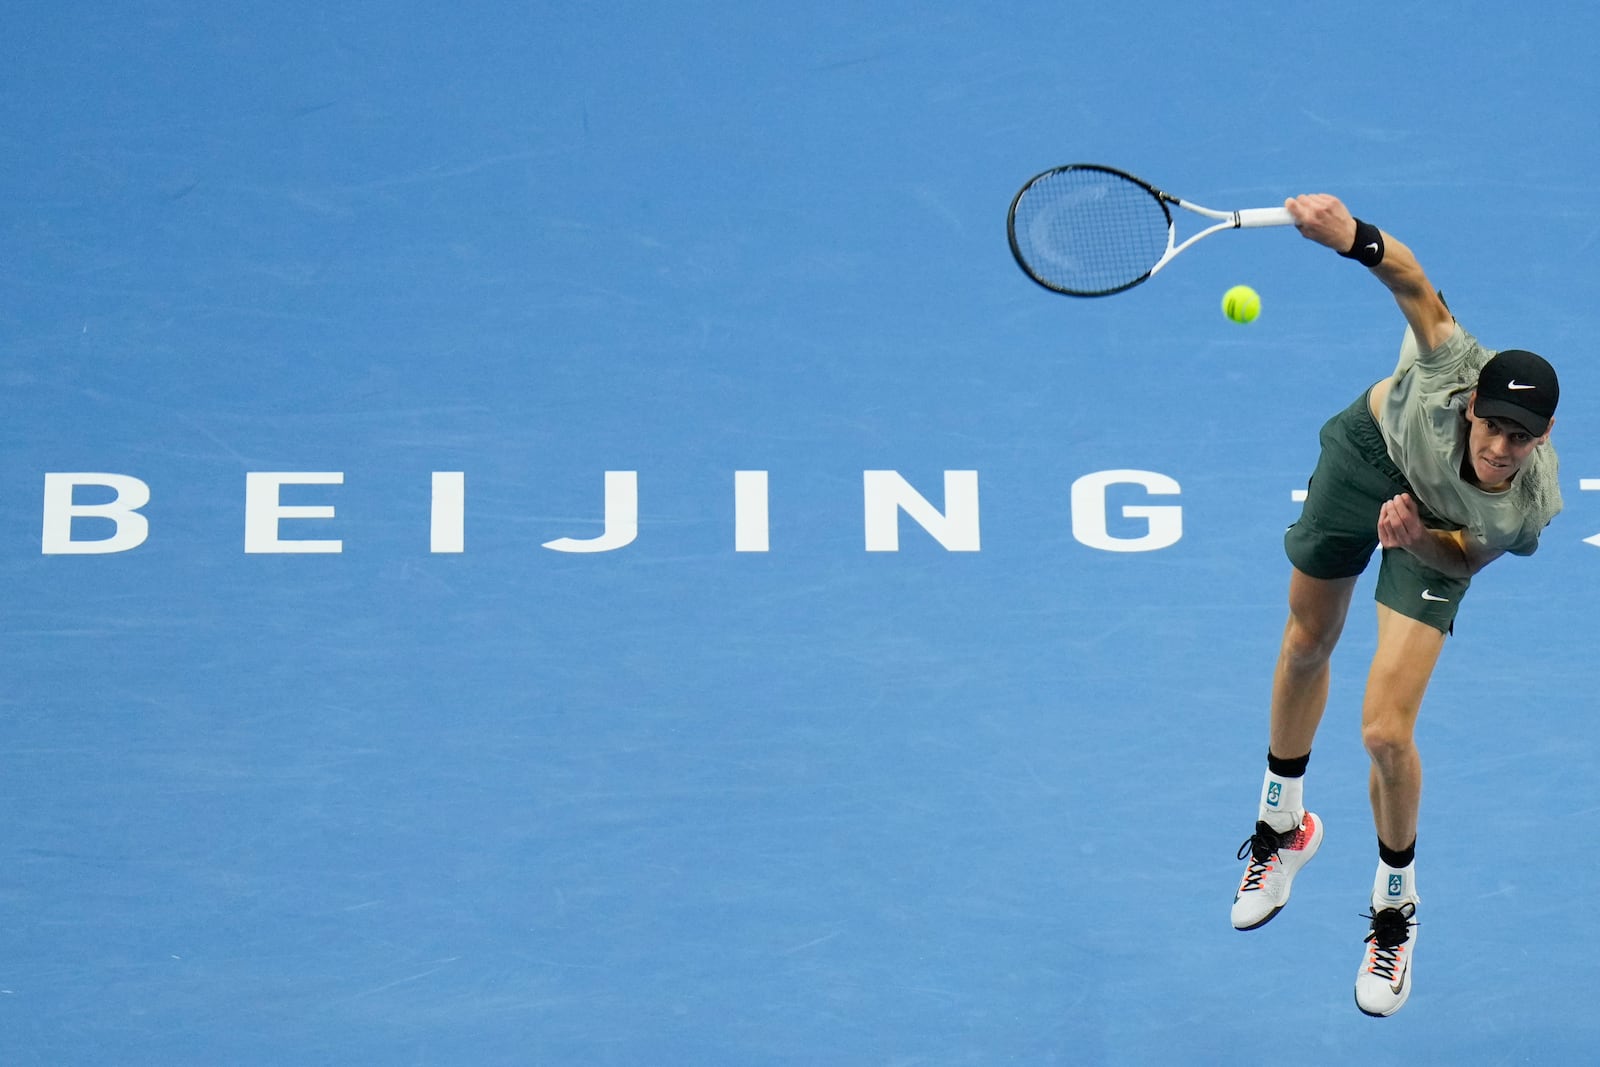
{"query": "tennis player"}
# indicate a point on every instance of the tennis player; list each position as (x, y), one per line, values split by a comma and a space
(1445, 465)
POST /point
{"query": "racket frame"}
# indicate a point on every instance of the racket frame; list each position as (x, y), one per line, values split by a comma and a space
(1243, 219)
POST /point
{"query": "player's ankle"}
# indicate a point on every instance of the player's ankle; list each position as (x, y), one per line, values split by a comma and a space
(1283, 822)
(1282, 792)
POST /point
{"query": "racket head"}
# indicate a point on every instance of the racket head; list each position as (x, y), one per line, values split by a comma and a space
(1088, 230)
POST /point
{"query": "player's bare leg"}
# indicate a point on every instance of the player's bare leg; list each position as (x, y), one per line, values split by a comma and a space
(1406, 655)
(1286, 835)
(1317, 610)
(1407, 652)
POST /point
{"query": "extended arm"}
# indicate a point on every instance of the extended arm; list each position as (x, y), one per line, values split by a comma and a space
(1324, 219)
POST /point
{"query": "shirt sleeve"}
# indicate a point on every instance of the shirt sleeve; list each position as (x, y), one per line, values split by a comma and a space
(1455, 351)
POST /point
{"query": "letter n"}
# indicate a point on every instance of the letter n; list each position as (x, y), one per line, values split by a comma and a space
(886, 494)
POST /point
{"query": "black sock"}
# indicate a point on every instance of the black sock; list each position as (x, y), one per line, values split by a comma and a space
(1288, 768)
(1398, 858)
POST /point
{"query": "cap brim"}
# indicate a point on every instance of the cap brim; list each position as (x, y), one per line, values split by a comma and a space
(1500, 409)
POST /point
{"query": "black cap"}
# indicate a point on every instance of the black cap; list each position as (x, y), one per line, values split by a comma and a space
(1519, 386)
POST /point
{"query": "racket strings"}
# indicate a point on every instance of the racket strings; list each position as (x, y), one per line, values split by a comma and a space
(1088, 231)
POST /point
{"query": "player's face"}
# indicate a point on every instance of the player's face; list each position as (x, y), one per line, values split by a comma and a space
(1497, 448)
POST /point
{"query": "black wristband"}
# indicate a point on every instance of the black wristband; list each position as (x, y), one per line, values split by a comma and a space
(1368, 247)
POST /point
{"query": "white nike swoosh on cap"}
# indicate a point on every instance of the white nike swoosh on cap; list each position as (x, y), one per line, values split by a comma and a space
(1514, 384)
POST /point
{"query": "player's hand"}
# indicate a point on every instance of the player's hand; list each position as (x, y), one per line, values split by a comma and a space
(1324, 219)
(1399, 523)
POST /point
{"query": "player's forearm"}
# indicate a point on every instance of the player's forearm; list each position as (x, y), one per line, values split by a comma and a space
(1400, 271)
(1419, 302)
(1443, 552)
(1324, 219)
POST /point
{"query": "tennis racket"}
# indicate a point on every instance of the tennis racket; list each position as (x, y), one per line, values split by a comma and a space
(1088, 230)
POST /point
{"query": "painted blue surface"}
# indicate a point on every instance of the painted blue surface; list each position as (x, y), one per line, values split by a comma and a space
(677, 803)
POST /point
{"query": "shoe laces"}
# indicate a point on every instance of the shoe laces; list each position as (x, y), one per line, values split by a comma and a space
(1260, 846)
(1391, 929)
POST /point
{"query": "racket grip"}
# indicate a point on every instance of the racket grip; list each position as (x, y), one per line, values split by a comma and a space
(1263, 216)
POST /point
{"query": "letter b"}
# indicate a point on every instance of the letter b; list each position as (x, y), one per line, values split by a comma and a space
(129, 528)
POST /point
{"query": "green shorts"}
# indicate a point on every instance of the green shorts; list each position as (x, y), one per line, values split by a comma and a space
(1338, 526)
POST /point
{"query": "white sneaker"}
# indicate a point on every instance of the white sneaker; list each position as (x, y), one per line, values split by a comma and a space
(1384, 981)
(1274, 859)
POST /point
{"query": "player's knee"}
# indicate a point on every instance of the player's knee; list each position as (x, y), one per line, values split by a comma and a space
(1387, 739)
(1307, 644)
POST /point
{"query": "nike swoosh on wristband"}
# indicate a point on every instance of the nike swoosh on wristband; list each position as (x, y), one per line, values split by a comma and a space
(1514, 384)
(1427, 594)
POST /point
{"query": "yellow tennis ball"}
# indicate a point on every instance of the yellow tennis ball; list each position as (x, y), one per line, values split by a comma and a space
(1241, 303)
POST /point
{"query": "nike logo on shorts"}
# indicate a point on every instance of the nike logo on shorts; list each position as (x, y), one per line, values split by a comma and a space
(1427, 594)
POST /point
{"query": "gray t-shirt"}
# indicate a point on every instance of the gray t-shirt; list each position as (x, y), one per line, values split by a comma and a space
(1425, 426)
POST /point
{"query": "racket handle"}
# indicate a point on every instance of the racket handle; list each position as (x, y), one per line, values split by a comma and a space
(1263, 216)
